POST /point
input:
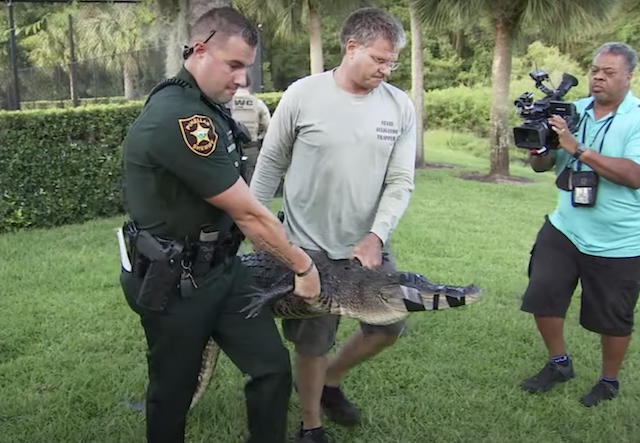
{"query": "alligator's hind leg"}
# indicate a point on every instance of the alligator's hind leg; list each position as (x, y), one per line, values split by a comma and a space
(262, 298)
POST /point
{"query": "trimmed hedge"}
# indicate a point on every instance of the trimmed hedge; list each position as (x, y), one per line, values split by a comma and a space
(68, 103)
(270, 98)
(60, 166)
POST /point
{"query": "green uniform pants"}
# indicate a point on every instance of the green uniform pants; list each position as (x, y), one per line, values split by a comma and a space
(176, 339)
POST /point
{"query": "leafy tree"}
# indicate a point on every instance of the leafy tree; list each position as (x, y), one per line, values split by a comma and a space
(623, 25)
(101, 34)
(122, 30)
(292, 18)
(178, 16)
(510, 18)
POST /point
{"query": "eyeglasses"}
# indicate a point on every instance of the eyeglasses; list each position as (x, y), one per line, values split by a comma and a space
(391, 65)
(188, 50)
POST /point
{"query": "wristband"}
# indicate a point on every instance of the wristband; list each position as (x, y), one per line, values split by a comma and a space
(302, 274)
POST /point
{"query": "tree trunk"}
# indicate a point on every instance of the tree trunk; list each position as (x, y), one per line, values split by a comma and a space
(417, 82)
(177, 38)
(456, 38)
(128, 74)
(459, 42)
(73, 92)
(501, 73)
(315, 39)
(188, 13)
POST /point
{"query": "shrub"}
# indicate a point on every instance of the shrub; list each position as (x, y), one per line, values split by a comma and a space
(68, 103)
(61, 166)
(271, 99)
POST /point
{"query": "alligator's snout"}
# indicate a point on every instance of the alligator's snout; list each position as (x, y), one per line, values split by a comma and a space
(427, 300)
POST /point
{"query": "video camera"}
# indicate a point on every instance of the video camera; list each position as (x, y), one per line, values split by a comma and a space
(535, 132)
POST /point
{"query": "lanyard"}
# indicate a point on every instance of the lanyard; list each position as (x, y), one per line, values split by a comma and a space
(608, 124)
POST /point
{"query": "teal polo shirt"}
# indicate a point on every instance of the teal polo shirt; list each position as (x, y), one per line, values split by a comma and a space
(612, 227)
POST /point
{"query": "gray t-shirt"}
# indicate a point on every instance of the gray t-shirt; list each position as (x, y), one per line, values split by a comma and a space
(349, 162)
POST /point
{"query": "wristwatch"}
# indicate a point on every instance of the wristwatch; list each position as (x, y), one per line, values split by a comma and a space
(579, 151)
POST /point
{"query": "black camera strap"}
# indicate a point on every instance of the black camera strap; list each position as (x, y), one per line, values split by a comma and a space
(606, 126)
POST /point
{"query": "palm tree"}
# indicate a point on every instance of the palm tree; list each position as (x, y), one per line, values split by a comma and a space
(49, 46)
(98, 31)
(122, 30)
(417, 80)
(557, 19)
(180, 15)
(293, 17)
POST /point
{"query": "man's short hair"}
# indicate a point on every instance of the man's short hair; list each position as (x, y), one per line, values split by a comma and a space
(227, 22)
(619, 48)
(368, 24)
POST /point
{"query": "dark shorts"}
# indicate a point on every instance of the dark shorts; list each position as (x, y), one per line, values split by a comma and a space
(610, 286)
(316, 336)
(251, 153)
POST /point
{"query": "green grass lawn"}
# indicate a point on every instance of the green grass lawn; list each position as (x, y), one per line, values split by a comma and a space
(71, 351)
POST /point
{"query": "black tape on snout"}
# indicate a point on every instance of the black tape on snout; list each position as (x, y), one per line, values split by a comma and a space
(412, 299)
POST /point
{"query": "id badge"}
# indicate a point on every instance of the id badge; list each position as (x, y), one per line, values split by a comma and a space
(583, 197)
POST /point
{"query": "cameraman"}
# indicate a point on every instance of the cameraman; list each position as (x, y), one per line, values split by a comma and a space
(594, 233)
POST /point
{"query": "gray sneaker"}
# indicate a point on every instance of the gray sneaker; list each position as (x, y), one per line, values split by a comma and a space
(548, 377)
(601, 391)
(313, 436)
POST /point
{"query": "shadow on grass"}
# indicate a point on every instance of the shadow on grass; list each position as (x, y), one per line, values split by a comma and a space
(499, 179)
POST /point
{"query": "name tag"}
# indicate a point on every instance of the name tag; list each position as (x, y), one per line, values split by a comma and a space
(231, 147)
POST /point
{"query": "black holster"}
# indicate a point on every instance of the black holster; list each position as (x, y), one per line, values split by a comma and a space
(158, 262)
(213, 248)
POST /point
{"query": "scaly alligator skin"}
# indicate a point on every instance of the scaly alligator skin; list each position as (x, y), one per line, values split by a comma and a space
(347, 289)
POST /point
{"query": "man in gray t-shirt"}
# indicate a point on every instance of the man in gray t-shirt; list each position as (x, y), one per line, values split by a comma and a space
(345, 141)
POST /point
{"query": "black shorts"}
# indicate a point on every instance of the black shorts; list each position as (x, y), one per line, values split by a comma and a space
(610, 286)
(316, 336)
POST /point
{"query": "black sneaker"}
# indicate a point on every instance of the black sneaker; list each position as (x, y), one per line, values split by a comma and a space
(548, 377)
(312, 436)
(337, 408)
(600, 391)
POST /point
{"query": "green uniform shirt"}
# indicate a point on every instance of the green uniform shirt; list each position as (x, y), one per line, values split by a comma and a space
(178, 152)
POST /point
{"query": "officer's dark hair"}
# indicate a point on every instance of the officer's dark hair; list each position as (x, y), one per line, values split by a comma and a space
(619, 48)
(367, 24)
(226, 22)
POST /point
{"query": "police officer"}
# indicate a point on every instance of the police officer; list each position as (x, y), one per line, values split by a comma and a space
(254, 114)
(189, 209)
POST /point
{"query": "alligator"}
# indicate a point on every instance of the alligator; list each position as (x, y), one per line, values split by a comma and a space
(347, 289)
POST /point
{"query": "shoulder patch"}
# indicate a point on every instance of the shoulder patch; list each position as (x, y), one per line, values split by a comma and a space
(199, 134)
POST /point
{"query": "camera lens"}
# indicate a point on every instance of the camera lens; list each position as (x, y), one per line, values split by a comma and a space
(531, 135)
